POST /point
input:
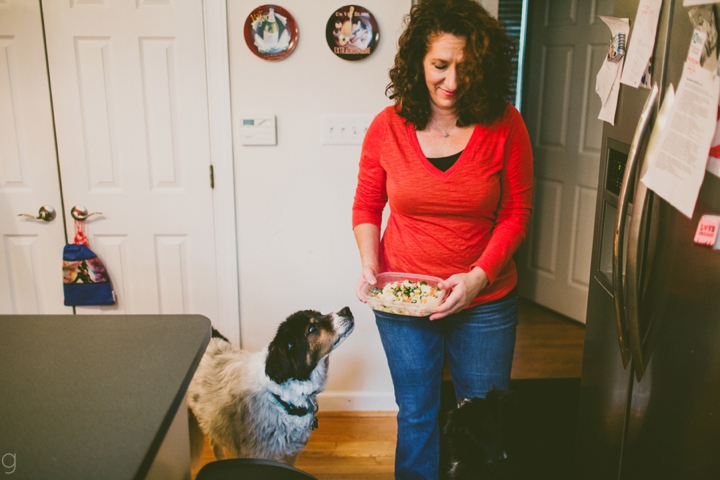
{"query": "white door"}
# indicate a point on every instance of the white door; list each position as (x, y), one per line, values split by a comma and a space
(566, 47)
(30, 250)
(128, 83)
(129, 91)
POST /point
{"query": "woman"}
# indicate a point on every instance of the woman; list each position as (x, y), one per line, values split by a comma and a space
(453, 159)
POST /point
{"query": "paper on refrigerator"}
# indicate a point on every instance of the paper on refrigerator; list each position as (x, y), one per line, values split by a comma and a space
(658, 129)
(642, 42)
(688, 3)
(703, 50)
(676, 165)
(703, 19)
(607, 82)
(697, 47)
(713, 165)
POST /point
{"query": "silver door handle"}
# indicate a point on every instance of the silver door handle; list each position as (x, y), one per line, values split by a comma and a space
(619, 233)
(80, 213)
(46, 214)
(632, 280)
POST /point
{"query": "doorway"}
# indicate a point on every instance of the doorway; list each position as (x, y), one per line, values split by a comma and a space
(107, 106)
(566, 45)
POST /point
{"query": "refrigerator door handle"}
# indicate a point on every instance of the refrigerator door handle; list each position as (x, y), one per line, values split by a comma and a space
(639, 226)
(632, 279)
(620, 222)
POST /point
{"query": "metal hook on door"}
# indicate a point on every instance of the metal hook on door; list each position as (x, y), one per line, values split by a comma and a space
(46, 213)
(81, 214)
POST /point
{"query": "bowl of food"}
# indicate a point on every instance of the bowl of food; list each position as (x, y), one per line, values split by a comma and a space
(405, 294)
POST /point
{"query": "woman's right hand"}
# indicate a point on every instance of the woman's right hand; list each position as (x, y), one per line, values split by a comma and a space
(367, 236)
(367, 277)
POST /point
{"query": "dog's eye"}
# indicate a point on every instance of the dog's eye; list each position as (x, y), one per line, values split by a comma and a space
(312, 329)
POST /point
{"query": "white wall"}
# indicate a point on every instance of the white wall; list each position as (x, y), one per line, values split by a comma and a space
(295, 240)
(491, 6)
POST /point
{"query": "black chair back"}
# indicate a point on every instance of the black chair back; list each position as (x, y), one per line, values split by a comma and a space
(250, 469)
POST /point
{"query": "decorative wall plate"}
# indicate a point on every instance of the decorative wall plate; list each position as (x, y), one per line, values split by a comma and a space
(352, 32)
(271, 32)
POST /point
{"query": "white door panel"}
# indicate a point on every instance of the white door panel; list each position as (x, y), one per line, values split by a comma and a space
(129, 84)
(567, 45)
(582, 229)
(545, 234)
(30, 250)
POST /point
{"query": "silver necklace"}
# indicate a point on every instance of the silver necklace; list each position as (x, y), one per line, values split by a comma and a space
(446, 133)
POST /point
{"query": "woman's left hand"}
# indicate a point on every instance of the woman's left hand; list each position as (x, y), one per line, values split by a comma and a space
(464, 287)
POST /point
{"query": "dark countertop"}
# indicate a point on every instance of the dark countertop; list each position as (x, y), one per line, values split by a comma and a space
(92, 396)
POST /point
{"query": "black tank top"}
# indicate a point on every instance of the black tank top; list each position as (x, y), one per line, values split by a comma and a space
(444, 163)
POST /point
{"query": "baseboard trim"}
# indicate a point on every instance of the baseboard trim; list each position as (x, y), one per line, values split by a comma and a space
(354, 401)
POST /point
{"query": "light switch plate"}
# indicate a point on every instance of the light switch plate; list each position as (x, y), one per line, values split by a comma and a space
(258, 130)
(344, 129)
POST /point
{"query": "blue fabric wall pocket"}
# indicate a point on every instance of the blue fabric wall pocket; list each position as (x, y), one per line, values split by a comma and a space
(85, 280)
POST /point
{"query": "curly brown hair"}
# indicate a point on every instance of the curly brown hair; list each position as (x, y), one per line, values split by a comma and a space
(483, 76)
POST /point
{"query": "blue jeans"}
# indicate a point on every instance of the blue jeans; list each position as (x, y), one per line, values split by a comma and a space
(479, 344)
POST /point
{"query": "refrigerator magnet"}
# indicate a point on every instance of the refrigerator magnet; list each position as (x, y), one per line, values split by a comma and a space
(352, 32)
(707, 231)
(616, 50)
(271, 32)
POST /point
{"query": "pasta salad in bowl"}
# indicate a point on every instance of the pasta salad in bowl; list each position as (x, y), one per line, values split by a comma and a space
(405, 294)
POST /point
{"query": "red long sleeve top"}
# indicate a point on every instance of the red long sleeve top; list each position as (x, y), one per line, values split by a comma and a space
(441, 223)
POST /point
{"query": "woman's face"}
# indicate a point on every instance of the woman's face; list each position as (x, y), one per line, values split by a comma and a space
(440, 64)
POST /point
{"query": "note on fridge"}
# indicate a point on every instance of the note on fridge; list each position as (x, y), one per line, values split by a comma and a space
(703, 19)
(658, 129)
(676, 165)
(642, 42)
(697, 47)
(713, 165)
(688, 3)
(607, 82)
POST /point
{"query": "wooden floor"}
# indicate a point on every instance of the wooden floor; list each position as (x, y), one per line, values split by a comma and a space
(361, 445)
(345, 446)
(548, 345)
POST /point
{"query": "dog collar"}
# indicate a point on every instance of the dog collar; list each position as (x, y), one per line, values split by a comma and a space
(299, 411)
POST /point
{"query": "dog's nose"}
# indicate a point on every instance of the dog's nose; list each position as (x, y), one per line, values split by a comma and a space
(345, 312)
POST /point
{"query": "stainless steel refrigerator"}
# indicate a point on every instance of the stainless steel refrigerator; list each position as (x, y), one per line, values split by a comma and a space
(650, 389)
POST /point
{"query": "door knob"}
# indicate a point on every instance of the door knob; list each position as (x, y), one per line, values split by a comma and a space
(46, 214)
(80, 213)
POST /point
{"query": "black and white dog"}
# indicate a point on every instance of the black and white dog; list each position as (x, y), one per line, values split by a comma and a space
(263, 404)
(481, 441)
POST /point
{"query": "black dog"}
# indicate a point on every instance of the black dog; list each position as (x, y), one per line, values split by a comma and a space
(481, 439)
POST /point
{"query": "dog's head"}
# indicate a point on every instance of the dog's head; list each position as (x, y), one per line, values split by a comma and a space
(303, 340)
(479, 437)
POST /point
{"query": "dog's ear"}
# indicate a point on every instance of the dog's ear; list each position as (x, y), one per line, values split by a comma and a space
(277, 365)
(500, 397)
(505, 405)
(287, 357)
(457, 425)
